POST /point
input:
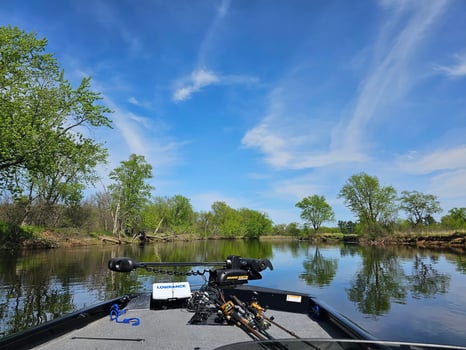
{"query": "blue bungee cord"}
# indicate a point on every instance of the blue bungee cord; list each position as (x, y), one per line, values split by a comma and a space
(115, 312)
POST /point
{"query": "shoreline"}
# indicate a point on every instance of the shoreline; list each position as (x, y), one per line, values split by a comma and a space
(53, 240)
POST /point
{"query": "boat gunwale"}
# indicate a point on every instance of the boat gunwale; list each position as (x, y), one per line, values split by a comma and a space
(59, 326)
(273, 298)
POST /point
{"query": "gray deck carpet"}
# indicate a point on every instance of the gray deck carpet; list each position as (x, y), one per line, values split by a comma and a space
(169, 329)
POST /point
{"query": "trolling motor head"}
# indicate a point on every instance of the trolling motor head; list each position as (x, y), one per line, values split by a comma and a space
(238, 271)
(122, 264)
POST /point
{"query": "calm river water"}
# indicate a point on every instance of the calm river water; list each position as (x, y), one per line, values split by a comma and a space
(404, 294)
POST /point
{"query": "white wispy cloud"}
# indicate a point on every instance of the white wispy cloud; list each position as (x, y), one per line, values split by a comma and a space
(458, 69)
(451, 187)
(296, 188)
(202, 77)
(443, 170)
(390, 77)
(296, 143)
(203, 201)
(223, 8)
(444, 159)
(134, 101)
(292, 137)
(198, 79)
(142, 135)
(133, 42)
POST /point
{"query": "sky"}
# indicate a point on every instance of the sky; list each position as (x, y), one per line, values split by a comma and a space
(260, 103)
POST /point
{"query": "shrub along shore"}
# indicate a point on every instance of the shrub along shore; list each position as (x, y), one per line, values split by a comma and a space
(47, 239)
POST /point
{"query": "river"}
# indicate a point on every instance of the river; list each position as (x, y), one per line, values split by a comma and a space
(395, 293)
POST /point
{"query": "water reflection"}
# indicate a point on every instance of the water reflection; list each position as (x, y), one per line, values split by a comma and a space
(380, 280)
(319, 271)
(365, 282)
(40, 286)
(426, 281)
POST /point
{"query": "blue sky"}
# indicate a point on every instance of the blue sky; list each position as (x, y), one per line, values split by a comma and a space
(260, 103)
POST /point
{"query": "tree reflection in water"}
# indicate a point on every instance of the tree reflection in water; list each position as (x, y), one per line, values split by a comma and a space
(32, 295)
(380, 279)
(383, 278)
(38, 286)
(319, 271)
(426, 281)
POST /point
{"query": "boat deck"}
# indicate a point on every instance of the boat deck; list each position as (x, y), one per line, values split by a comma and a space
(169, 329)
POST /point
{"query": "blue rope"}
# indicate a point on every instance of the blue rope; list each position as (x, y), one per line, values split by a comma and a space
(115, 312)
(315, 312)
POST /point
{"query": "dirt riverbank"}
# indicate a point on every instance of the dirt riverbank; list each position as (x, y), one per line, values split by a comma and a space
(50, 239)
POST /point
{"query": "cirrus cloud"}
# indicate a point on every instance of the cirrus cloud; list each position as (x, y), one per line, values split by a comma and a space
(202, 77)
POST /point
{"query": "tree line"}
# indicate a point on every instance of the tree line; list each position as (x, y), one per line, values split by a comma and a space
(126, 208)
(48, 159)
(376, 208)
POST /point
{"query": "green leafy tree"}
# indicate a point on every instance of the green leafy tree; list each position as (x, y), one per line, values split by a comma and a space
(130, 193)
(182, 211)
(61, 184)
(255, 223)
(156, 215)
(226, 221)
(455, 219)
(315, 210)
(170, 213)
(291, 229)
(45, 155)
(346, 227)
(372, 203)
(419, 206)
(203, 223)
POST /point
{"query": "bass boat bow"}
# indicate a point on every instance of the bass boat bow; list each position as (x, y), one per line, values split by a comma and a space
(225, 313)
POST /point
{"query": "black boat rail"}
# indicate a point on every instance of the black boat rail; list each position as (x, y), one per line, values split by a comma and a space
(52, 329)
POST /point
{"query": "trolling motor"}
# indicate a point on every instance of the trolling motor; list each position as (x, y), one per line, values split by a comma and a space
(209, 304)
(236, 270)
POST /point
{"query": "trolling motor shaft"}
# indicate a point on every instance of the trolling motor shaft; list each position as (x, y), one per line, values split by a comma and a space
(125, 264)
(236, 270)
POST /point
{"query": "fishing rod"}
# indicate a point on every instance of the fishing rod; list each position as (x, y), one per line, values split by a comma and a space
(258, 312)
(233, 271)
(230, 313)
(235, 317)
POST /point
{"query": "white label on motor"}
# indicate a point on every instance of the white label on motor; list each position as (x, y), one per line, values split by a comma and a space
(172, 290)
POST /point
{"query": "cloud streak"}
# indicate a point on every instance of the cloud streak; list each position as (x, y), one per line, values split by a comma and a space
(456, 70)
(291, 142)
(202, 78)
(446, 159)
(390, 78)
(143, 136)
(199, 79)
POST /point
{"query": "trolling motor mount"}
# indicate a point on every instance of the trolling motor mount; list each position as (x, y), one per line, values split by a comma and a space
(236, 270)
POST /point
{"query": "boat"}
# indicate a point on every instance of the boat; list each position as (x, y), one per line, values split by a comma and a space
(224, 313)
